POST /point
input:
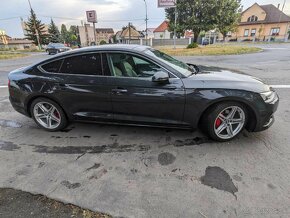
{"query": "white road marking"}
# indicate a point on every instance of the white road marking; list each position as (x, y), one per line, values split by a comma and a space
(281, 86)
(274, 48)
(1, 87)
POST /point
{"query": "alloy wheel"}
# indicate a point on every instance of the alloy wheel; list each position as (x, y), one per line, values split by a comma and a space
(47, 115)
(229, 122)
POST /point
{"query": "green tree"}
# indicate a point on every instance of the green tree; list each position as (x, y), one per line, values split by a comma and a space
(34, 27)
(64, 34)
(227, 15)
(195, 15)
(73, 30)
(54, 34)
(74, 33)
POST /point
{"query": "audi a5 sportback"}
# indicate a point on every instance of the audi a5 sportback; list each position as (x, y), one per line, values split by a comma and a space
(138, 85)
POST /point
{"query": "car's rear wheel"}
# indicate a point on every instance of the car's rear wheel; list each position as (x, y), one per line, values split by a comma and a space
(225, 121)
(48, 115)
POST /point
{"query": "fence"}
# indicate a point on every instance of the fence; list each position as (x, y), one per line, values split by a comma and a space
(159, 42)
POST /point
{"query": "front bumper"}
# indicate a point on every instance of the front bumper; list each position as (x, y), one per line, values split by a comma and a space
(265, 118)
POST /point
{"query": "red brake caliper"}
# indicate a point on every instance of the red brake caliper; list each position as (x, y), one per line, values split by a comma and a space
(56, 114)
(218, 122)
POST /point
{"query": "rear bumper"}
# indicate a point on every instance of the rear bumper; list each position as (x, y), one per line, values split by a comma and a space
(18, 107)
(266, 117)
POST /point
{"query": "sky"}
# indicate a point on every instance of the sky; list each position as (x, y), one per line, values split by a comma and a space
(110, 13)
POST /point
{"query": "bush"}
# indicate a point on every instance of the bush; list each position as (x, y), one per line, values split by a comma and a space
(103, 42)
(192, 45)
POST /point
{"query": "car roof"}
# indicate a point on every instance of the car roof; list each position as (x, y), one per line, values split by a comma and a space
(111, 47)
(108, 47)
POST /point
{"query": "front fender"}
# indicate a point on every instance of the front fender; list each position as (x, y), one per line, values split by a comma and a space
(198, 101)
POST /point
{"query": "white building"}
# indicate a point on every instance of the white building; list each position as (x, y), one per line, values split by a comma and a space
(162, 32)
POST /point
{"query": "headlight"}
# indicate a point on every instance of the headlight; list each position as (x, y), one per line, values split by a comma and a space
(61, 49)
(268, 97)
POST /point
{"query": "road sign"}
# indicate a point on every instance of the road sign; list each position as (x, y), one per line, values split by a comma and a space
(166, 3)
(91, 16)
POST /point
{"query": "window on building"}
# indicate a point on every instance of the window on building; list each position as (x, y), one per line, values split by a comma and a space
(275, 31)
(246, 32)
(253, 32)
(253, 18)
(87, 64)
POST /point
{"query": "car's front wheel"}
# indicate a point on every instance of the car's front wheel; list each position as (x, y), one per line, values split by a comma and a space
(48, 115)
(225, 121)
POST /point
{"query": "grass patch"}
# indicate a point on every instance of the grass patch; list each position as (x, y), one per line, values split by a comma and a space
(211, 50)
(10, 55)
(31, 50)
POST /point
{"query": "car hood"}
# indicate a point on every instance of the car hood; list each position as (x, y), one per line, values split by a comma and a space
(224, 79)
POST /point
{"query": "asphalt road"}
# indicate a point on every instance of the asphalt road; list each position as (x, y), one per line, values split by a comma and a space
(147, 172)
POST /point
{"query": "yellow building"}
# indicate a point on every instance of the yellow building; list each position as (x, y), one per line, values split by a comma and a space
(263, 23)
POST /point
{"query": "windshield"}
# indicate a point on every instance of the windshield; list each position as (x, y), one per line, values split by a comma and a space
(181, 67)
(56, 45)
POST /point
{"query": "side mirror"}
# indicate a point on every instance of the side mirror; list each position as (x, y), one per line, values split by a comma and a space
(160, 77)
(195, 67)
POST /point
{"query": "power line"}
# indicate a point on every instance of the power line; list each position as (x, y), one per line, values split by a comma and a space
(79, 19)
(11, 18)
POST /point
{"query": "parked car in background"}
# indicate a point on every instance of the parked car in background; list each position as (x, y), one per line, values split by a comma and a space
(55, 48)
(205, 41)
(138, 85)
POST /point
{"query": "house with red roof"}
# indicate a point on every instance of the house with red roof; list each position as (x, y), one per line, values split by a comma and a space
(162, 31)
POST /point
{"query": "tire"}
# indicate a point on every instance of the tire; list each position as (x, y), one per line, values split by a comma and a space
(220, 117)
(48, 115)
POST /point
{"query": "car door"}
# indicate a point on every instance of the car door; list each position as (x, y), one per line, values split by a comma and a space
(81, 85)
(136, 98)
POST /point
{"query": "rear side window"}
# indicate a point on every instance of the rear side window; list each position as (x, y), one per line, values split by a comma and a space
(87, 64)
(52, 67)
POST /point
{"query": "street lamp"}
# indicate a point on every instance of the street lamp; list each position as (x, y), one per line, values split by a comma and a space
(146, 20)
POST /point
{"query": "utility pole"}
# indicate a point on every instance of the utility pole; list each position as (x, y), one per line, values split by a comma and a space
(285, 36)
(36, 31)
(95, 36)
(146, 20)
(129, 26)
(175, 21)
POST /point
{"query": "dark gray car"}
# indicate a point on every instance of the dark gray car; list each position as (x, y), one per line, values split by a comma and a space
(138, 85)
(55, 48)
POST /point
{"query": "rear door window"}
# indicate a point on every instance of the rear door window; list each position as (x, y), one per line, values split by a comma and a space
(86, 64)
(52, 67)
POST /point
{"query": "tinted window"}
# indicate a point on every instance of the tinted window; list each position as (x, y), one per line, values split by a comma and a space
(52, 67)
(88, 64)
(126, 65)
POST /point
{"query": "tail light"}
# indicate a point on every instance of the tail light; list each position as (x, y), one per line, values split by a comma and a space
(8, 83)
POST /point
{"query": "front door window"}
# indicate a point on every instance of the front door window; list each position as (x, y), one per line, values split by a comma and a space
(126, 65)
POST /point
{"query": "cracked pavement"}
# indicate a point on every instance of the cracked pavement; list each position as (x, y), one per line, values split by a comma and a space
(150, 172)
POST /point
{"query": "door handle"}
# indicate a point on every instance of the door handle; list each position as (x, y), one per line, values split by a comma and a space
(119, 91)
